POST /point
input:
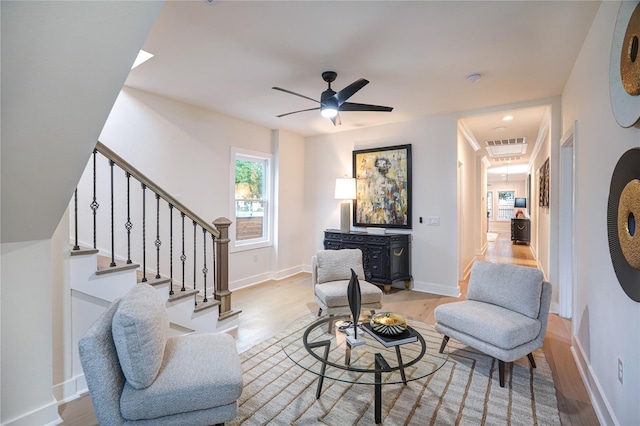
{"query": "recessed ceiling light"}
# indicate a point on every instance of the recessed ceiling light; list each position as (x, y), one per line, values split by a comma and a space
(142, 57)
(507, 118)
(474, 77)
(500, 129)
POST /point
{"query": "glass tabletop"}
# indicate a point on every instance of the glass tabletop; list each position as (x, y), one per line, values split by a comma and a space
(328, 354)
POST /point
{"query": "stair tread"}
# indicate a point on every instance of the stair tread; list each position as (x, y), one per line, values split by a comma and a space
(178, 294)
(120, 266)
(83, 251)
(210, 303)
(154, 281)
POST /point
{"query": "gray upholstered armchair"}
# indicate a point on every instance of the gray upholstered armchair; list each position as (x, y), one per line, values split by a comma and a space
(330, 274)
(505, 314)
(136, 374)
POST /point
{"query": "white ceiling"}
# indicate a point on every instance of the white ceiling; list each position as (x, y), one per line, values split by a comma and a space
(227, 56)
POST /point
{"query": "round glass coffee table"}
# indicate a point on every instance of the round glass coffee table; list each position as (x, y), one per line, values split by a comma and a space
(322, 349)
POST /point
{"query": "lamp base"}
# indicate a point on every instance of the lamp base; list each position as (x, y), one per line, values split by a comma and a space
(345, 220)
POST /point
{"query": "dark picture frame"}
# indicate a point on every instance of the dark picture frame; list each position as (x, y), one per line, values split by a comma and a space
(383, 187)
(544, 184)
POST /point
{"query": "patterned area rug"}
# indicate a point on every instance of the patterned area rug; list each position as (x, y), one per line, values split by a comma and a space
(464, 391)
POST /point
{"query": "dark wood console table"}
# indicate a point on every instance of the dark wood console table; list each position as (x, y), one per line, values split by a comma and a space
(520, 230)
(386, 257)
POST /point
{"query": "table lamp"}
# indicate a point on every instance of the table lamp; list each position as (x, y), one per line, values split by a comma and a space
(345, 190)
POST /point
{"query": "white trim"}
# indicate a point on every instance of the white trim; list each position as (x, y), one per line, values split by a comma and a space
(567, 225)
(438, 289)
(601, 406)
(46, 415)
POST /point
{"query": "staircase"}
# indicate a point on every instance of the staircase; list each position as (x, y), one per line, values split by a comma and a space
(197, 298)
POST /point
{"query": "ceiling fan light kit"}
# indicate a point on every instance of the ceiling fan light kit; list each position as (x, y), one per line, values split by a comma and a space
(332, 103)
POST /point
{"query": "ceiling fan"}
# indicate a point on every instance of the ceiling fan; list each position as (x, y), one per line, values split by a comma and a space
(331, 103)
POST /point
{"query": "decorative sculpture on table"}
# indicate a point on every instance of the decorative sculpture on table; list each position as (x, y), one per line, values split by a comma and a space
(353, 295)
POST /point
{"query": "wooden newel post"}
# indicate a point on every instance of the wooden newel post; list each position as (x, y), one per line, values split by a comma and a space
(223, 294)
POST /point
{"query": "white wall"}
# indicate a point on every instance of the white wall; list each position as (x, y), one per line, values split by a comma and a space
(290, 219)
(59, 101)
(26, 333)
(606, 319)
(186, 151)
(434, 157)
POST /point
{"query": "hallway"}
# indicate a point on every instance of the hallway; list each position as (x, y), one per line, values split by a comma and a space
(502, 250)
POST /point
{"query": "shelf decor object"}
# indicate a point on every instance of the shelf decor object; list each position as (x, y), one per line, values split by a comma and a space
(355, 300)
(383, 187)
(388, 323)
(623, 211)
(624, 66)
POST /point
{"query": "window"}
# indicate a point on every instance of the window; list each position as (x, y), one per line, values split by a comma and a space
(505, 204)
(489, 204)
(251, 207)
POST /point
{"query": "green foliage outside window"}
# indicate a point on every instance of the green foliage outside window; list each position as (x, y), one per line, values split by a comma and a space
(249, 179)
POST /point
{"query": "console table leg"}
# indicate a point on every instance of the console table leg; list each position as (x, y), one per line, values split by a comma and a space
(407, 285)
(387, 288)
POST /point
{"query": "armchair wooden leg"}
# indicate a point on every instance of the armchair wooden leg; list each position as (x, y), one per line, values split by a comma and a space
(445, 340)
(501, 368)
(319, 311)
(531, 360)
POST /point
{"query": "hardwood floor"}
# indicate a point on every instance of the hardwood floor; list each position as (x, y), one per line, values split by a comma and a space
(269, 307)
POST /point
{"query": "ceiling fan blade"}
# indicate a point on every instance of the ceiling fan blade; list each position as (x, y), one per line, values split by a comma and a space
(336, 120)
(348, 91)
(295, 112)
(294, 93)
(350, 106)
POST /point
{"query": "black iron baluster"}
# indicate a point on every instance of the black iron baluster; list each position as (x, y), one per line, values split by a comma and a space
(75, 207)
(183, 257)
(128, 225)
(194, 259)
(144, 234)
(158, 242)
(170, 249)
(204, 268)
(113, 241)
(94, 204)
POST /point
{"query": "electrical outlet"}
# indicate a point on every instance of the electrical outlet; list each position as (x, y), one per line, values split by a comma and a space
(620, 370)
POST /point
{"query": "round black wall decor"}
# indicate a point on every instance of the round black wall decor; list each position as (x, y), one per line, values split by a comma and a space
(623, 211)
(624, 65)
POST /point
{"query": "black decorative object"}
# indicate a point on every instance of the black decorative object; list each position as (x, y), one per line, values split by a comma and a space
(355, 302)
(622, 232)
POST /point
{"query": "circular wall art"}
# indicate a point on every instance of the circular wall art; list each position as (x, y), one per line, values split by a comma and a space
(623, 211)
(624, 65)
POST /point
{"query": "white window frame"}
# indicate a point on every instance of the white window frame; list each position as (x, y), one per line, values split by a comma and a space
(267, 238)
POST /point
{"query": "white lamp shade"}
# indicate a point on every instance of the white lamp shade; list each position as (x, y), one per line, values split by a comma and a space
(345, 189)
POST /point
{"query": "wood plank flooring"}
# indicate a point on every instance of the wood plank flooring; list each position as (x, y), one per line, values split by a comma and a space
(269, 307)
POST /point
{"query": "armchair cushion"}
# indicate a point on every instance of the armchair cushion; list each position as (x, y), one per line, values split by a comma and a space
(515, 288)
(140, 329)
(199, 371)
(336, 265)
(489, 323)
(334, 294)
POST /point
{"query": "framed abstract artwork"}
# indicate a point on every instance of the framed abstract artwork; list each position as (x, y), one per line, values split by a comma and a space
(383, 187)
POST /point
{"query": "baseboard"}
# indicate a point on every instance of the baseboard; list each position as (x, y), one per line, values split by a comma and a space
(70, 389)
(596, 395)
(46, 415)
(287, 272)
(438, 289)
